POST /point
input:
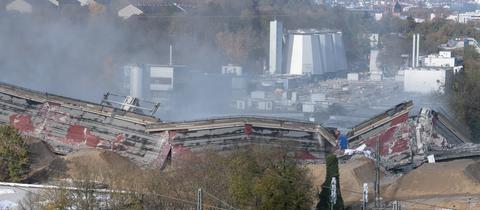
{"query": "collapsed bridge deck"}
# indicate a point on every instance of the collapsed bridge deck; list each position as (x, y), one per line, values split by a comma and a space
(68, 124)
(308, 138)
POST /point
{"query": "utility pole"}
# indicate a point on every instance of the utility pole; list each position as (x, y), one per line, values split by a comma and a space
(396, 205)
(365, 196)
(333, 193)
(199, 199)
(377, 173)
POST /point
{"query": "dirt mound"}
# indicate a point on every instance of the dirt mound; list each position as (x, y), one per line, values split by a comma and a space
(364, 171)
(40, 159)
(352, 176)
(96, 161)
(40, 154)
(429, 181)
(437, 179)
(473, 171)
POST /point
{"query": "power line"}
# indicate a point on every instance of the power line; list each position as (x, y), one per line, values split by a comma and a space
(406, 201)
(55, 187)
(102, 191)
(207, 193)
(178, 199)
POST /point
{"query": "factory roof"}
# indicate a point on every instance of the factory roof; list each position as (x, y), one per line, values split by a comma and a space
(313, 31)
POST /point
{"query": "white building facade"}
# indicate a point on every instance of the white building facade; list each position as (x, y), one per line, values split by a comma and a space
(276, 47)
(442, 59)
(426, 80)
(315, 52)
(469, 16)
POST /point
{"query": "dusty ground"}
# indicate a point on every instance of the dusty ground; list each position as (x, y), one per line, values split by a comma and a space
(454, 184)
(40, 158)
(441, 203)
(45, 165)
(440, 179)
(93, 160)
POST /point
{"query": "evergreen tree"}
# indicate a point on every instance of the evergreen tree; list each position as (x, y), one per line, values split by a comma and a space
(14, 160)
(324, 196)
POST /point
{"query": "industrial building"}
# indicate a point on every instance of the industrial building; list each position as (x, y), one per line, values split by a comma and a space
(150, 81)
(315, 52)
(432, 74)
(305, 52)
(376, 73)
(442, 59)
(426, 80)
(469, 16)
(276, 47)
(460, 43)
(183, 89)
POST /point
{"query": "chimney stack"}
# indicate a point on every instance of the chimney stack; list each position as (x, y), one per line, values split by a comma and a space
(171, 56)
(418, 51)
(415, 50)
(414, 44)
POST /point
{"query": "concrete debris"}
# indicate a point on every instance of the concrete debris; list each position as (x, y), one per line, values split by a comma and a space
(406, 142)
(68, 124)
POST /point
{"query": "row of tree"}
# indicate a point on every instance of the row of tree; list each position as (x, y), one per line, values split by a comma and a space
(464, 92)
(396, 38)
(253, 178)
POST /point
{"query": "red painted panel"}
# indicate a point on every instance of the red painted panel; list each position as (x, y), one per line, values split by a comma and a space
(400, 119)
(172, 134)
(305, 155)
(23, 123)
(386, 140)
(248, 130)
(179, 150)
(400, 145)
(389, 145)
(92, 140)
(76, 133)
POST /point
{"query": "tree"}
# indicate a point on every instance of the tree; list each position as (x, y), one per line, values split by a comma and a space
(464, 92)
(324, 196)
(243, 174)
(251, 178)
(284, 186)
(14, 160)
(268, 178)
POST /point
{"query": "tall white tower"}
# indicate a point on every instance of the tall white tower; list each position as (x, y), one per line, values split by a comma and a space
(376, 73)
(276, 51)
